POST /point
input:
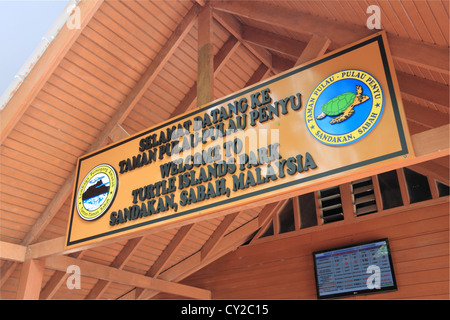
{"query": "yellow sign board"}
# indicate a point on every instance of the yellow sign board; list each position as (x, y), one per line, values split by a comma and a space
(334, 116)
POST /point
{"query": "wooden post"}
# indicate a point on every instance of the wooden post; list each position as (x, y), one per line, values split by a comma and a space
(31, 280)
(347, 202)
(205, 73)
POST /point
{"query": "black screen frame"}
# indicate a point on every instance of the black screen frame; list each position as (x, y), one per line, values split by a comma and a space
(353, 293)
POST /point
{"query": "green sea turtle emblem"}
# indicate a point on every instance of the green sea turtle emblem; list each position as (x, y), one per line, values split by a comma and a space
(341, 107)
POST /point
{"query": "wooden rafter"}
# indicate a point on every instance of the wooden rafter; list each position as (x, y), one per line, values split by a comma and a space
(119, 262)
(218, 235)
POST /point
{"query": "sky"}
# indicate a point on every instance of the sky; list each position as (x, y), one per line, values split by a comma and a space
(22, 26)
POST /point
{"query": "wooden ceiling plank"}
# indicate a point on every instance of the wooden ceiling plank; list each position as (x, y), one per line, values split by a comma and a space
(417, 18)
(431, 23)
(98, 271)
(118, 118)
(44, 68)
(409, 50)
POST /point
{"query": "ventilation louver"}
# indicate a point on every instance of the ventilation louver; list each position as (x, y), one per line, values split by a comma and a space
(331, 205)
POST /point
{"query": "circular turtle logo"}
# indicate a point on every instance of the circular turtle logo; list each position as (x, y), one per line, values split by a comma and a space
(344, 107)
(96, 192)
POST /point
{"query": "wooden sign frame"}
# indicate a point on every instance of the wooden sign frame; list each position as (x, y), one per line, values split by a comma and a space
(300, 104)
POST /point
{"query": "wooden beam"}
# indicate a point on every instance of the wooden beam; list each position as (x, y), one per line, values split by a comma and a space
(424, 116)
(118, 133)
(57, 279)
(424, 89)
(315, 48)
(419, 53)
(205, 72)
(224, 54)
(431, 144)
(403, 186)
(273, 41)
(43, 69)
(12, 252)
(119, 262)
(433, 170)
(410, 51)
(217, 235)
(280, 64)
(234, 27)
(266, 217)
(260, 73)
(377, 192)
(347, 202)
(98, 271)
(150, 74)
(160, 263)
(30, 280)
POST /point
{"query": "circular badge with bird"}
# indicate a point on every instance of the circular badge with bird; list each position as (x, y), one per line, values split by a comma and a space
(344, 107)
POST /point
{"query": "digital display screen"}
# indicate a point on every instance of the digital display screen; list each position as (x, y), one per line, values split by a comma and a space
(357, 269)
